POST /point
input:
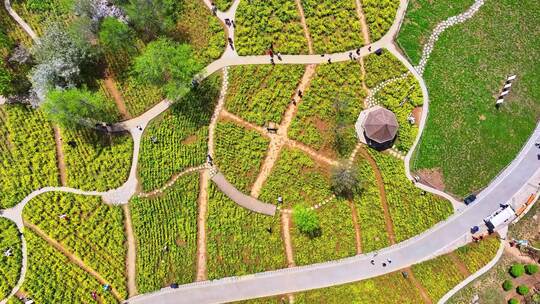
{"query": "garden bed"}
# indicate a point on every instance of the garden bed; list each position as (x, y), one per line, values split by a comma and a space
(10, 266)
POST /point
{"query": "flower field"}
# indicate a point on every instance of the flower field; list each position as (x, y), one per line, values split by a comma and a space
(383, 67)
(139, 98)
(401, 97)
(329, 109)
(13, 31)
(89, 229)
(27, 154)
(298, 179)
(39, 13)
(380, 15)
(52, 278)
(239, 154)
(10, 267)
(390, 288)
(476, 255)
(239, 241)
(223, 5)
(96, 161)
(337, 238)
(413, 211)
(265, 94)
(262, 23)
(166, 232)
(370, 211)
(334, 25)
(181, 136)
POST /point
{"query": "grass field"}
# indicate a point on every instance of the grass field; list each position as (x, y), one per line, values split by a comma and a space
(264, 95)
(89, 229)
(329, 109)
(10, 266)
(165, 228)
(181, 136)
(262, 23)
(52, 278)
(27, 154)
(239, 154)
(421, 18)
(95, 160)
(466, 137)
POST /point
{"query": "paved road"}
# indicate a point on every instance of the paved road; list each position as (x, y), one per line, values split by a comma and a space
(423, 247)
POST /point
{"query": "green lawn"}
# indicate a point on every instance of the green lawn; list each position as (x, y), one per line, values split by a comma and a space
(421, 18)
(465, 136)
(165, 228)
(10, 266)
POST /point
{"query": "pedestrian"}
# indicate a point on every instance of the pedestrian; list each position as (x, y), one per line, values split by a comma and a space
(372, 262)
(329, 60)
(322, 55)
(214, 9)
(383, 264)
(350, 55)
(358, 51)
(279, 56)
(272, 61)
(233, 24)
(294, 102)
(300, 93)
(389, 261)
(139, 127)
(228, 22)
(369, 48)
(271, 53)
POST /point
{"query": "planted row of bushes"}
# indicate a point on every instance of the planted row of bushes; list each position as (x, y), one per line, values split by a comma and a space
(10, 266)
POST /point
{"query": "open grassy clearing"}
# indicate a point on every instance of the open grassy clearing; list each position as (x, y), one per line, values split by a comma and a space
(52, 278)
(441, 274)
(264, 95)
(260, 24)
(370, 211)
(28, 154)
(165, 228)
(10, 266)
(239, 154)
(391, 288)
(95, 160)
(465, 135)
(421, 18)
(239, 241)
(329, 109)
(334, 25)
(380, 15)
(86, 227)
(413, 210)
(181, 136)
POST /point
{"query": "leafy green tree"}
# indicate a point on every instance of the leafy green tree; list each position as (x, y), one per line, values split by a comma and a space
(73, 108)
(522, 290)
(153, 17)
(531, 269)
(168, 64)
(307, 221)
(345, 180)
(513, 301)
(507, 285)
(5, 81)
(116, 36)
(517, 270)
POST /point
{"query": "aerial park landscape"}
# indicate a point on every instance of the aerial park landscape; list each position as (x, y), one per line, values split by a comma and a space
(266, 151)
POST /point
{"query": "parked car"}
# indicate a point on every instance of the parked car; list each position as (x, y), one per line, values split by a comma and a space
(469, 199)
(174, 285)
(475, 229)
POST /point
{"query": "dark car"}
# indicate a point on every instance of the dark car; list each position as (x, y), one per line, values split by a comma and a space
(174, 285)
(475, 229)
(469, 199)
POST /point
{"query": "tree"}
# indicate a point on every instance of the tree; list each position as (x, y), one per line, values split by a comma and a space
(169, 64)
(153, 17)
(306, 221)
(73, 108)
(513, 301)
(517, 270)
(116, 36)
(507, 285)
(531, 269)
(345, 180)
(522, 290)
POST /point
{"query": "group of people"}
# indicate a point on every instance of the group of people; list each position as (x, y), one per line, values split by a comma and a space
(270, 52)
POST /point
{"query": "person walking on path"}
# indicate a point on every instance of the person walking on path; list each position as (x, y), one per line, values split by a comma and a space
(279, 56)
(329, 60)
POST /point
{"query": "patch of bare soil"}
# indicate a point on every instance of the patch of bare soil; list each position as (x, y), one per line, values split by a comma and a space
(432, 177)
(189, 140)
(419, 287)
(417, 114)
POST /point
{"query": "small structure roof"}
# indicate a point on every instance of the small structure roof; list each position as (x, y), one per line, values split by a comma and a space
(380, 125)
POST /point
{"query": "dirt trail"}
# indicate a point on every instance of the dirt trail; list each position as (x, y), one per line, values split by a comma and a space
(357, 231)
(202, 273)
(230, 116)
(363, 23)
(131, 258)
(311, 152)
(384, 202)
(277, 142)
(459, 264)
(419, 287)
(304, 25)
(110, 85)
(74, 259)
(170, 182)
(60, 160)
(287, 241)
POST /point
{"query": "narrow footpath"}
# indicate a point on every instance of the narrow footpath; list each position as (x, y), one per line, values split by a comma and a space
(131, 258)
(202, 272)
(110, 85)
(304, 26)
(357, 231)
(419, 287)
(60, 160)
(287, 241)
